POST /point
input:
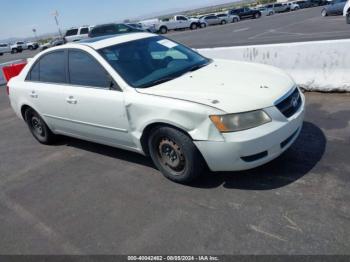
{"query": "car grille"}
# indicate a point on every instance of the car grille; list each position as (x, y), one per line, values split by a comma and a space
(290, 105)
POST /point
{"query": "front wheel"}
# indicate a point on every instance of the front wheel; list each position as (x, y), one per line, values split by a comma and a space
(257, 15)
(38, 127)
(348, 18)
(324, 12)
(14, 50)
(203, 25)
(223, 22)
(175, 155)
(235, 20)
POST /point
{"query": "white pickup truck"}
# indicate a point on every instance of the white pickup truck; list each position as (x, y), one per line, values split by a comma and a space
(177, 22)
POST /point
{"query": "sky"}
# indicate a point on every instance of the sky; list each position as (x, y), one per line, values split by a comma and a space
(18, 18)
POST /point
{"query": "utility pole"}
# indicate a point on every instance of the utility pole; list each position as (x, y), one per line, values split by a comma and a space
(55, 14)
(35, 35)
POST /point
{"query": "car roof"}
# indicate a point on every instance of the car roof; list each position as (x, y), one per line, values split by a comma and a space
(109, 40)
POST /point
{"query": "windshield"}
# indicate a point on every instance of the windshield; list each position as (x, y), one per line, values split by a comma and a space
(150, 61)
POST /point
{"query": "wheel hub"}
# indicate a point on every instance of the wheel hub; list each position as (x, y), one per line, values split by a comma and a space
(36, 123)
(171, 154)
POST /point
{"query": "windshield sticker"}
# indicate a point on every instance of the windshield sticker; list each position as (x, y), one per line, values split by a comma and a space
(167, 43)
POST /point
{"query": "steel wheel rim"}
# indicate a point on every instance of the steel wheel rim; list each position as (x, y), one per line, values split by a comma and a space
(37, 126)
(171, 156)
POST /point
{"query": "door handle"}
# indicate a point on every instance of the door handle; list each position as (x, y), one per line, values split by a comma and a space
(71, 100)
(33, 94)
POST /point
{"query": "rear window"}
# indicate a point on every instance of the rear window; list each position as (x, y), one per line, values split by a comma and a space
(50, 68)
(72, 32)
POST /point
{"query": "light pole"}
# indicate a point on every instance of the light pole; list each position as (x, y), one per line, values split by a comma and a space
(55, 14)
(36, 37)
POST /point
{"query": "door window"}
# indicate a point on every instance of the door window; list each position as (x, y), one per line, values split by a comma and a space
(84, 70)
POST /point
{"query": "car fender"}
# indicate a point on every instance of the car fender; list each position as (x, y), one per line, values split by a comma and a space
(193, 118)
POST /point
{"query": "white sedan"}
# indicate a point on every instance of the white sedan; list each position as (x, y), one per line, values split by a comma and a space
(145, 93)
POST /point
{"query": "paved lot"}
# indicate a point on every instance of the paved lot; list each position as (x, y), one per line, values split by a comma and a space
(302, 25)
(81, 198)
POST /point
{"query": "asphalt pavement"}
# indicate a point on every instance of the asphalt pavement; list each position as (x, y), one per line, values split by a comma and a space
(78, 197)
(296, 26)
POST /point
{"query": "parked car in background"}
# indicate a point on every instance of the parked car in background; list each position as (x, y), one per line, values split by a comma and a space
(245, 13)
(142, 27)
(214, 20)
(17, 47)
(53, 43)
(265, 11)
(293, 6)
(112, 29)
(77, 34)
(4, 48)
(147, 94)
(304, 4)
(229, 18)
(346, 12)
(278, 7)
(175, 23)
(335, 7)
(32, 45)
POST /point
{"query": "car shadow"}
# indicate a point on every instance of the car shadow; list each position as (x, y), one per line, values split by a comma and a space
(296, 162)
(293, 164)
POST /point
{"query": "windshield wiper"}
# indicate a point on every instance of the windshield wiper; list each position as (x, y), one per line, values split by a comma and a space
(196, 67)
(157, 82)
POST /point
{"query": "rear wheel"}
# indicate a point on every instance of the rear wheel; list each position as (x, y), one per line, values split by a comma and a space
(223, 22)
(257, 15)
(38, 127)
(235, 20)
(324, 12)
(203, 25)
(30, 47)
(14, 50)
(348, 18)
(175, 155)
(1, 54)
(163, 30)
(193, 26)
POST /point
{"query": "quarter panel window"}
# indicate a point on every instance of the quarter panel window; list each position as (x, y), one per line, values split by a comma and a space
(52, 68)
(85, 70)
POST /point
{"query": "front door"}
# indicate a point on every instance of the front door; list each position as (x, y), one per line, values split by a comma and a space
(96, 112)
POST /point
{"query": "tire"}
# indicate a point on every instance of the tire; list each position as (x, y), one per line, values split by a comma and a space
(203, 25)
(235, 20)
(271, 13)
(175, 155)
(348, 18)
(163, 30)
(38, 127)
(257, 15)
(223, 22)
(30, 47)
(193, 26)
(14, 50)
(1, 54)
(324, 13)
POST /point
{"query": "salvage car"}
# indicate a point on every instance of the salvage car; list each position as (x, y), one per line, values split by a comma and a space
(147, 94)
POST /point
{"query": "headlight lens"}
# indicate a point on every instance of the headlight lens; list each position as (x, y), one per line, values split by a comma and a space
(240, 121)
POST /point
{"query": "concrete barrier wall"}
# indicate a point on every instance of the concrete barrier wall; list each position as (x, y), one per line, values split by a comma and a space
(315, 66)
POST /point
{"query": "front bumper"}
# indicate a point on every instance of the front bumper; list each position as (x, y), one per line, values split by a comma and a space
(254, 147)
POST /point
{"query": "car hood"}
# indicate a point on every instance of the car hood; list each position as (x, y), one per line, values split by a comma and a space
(231, 86)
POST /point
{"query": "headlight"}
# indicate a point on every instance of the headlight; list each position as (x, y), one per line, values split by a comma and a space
(240, 121)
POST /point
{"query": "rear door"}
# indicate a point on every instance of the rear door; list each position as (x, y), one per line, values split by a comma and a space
(45, 84)
(96, 111)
